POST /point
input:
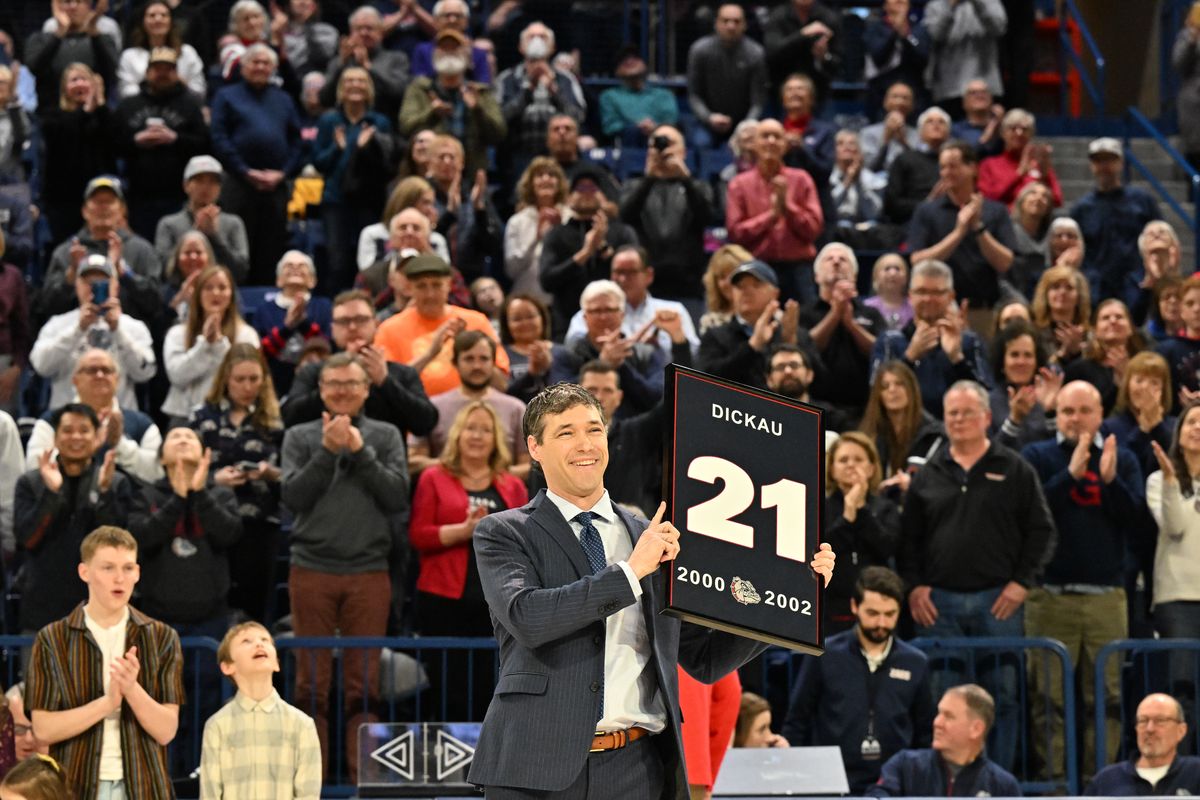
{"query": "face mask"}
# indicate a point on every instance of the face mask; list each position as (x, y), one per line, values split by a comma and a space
(449, 65)
(537, 49)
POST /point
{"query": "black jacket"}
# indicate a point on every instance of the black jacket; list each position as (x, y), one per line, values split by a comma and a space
(923, 773)
(669, 215)
(910, 180)
(975, 531)
(871, 540)
(157, 172)
(831, 704)
(725, 351)
(566, 280)
(183, 543)
(49, 527)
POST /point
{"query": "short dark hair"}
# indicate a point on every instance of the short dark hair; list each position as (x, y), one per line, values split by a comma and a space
(787, 347)
(465, 340)
(599, 367)
(969, 154)
(1015, 329)
(555, 399)
(350, 295)
(79, 409)
(880, 580)
(643, 253)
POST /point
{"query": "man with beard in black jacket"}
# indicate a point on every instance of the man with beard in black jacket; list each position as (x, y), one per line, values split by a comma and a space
(157, 131)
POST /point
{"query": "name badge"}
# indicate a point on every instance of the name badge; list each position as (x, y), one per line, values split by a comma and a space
(900, 674)
(994, 476)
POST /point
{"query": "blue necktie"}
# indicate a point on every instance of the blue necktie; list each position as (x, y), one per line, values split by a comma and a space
(593, 548)
(589, 540)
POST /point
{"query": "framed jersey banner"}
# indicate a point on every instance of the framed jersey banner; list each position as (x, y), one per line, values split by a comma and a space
(744, 482)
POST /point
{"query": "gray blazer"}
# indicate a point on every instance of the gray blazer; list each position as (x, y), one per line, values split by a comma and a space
(549, 612)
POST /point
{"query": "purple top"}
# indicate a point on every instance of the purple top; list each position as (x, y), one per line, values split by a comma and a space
(896, 318)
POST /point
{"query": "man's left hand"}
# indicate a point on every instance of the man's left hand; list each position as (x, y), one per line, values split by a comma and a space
(823, 561)
(1009, 600)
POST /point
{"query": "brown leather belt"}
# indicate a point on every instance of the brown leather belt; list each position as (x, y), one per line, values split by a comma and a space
(615, 740)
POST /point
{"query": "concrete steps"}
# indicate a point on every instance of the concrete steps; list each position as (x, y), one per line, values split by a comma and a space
(1070, 162)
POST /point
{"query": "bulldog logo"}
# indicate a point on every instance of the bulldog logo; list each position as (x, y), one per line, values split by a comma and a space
(744, 593)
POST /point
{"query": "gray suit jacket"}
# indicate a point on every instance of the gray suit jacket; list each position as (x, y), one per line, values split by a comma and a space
(549, 612)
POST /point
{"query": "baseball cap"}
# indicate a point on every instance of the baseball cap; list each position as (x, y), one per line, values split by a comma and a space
(759, 269)
(164, 55)
(95, 262)
(427, 264)
(1105, 146)
(202, 165)
(109, 182)
(587, 172)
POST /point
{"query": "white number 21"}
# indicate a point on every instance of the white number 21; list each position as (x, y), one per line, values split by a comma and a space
(715, 517)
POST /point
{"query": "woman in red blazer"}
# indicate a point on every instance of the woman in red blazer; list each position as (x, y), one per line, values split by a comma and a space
(470, 481)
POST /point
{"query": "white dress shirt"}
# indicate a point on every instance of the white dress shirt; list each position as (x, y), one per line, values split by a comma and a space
(631, 696)
(111, 642)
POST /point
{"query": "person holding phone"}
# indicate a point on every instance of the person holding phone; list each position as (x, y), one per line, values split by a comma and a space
(240, 423)
(669, 209)
(97, 322)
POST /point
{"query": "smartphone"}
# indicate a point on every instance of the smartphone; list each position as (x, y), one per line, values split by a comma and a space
(248, 466)
(661, 142)
(100, 292)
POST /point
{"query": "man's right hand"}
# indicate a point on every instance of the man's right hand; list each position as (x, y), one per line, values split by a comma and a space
(1079, 457)
(925, 338)
(719, 122)
(764, 328)
(658, 543)
(48, 469)
(335, 432)
(920, 601)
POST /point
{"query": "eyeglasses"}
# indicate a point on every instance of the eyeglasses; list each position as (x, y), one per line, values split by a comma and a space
(969, 413)
(784, 366)
(22, 730)
(338, 386)
(359, 321)
(1145, 722)
(603, 312)
(927, 292)
(103, 372)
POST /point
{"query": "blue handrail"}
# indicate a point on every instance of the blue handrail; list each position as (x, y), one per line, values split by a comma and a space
(933, 645)
(1095, 89)
(1136, 120)
(1133, 647)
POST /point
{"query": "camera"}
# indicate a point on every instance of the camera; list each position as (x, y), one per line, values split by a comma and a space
(661, 142)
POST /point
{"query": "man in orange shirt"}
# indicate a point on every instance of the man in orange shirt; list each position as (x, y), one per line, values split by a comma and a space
(422, 335)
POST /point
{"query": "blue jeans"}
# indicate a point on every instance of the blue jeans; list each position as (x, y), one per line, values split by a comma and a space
(968, 614)
(111, 790)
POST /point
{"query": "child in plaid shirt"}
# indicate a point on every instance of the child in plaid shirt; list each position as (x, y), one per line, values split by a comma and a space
(257, 747)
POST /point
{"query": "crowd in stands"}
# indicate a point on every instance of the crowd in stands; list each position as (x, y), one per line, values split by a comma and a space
(281, 284)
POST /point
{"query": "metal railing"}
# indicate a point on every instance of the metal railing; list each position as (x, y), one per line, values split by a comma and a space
(1069, 12)
(1137, 122)
(780, 668)
(985, 654)
(1171, 666)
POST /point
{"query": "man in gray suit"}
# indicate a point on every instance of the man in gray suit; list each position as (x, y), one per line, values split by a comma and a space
(587, 705)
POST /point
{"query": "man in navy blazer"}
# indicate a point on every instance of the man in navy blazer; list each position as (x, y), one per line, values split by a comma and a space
(587, 704)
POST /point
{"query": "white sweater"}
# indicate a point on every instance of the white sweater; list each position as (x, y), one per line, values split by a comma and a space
(1177, 557)
(191, 370)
